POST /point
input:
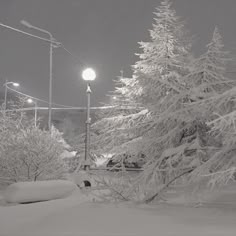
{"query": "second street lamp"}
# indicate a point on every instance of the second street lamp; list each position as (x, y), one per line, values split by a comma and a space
(30, 101)
(6, 88)
(88, 75)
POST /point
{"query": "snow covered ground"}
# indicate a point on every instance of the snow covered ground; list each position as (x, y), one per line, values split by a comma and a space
(77, 215)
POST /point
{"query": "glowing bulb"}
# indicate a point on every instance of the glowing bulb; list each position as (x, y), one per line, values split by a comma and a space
(89, 74)
(16, 84)
(29, 100)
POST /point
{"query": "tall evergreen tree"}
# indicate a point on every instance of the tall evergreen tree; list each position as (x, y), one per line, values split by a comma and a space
(217, 93)
(191, 146)
(209, 70)
(120, 102)
(157, 76)
(163, 60)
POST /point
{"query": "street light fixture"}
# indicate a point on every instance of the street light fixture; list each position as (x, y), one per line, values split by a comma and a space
(25, 23)
(52, 42)
(15, 84)
(30, 101)
(6, 88)
(88, 75)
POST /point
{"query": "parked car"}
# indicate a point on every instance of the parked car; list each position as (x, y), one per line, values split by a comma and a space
(125, 161)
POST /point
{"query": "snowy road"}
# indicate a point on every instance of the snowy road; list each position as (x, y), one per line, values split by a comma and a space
(74, 217)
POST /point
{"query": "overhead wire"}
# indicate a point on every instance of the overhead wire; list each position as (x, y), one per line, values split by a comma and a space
(38, 99)
(78, 60)
(56, 104)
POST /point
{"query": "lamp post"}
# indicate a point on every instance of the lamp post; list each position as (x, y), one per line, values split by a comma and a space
(52, 41)
(88, 75)
(6, 87)
(30, 101)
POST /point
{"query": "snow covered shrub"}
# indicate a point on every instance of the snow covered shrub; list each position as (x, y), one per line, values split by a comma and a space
(28, 153)
(28, 192)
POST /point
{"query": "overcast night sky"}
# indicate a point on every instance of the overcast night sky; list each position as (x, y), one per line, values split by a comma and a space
(102, 33)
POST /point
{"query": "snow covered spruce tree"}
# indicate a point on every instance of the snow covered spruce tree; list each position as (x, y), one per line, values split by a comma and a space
(194, 143)
(157, 80)
(216, 97)
(161, 88)
(161, 65)
(208, 73)
(220, 166)
(112, 126)
(28, 153)
(120, 101)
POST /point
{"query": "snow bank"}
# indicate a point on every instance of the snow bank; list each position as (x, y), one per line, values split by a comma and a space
(23, 192)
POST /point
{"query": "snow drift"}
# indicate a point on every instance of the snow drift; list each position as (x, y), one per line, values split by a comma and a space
(23, 192)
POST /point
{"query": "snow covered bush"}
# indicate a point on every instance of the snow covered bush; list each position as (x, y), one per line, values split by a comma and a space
(28, 153)
(25, 192)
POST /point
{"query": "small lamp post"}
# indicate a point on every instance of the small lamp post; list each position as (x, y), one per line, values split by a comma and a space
(6, 88)
(30, 101)
(88, 75)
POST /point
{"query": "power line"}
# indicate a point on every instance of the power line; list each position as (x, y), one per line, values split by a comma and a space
(63, 107)
(38, 99)
(78, 60)
(59, 108)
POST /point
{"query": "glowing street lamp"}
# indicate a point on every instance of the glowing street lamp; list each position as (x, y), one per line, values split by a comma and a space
(15, 84)
(31, 101)
(6, 88)
(88, 75)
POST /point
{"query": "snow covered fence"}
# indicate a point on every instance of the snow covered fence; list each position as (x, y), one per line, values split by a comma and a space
(24, 192)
